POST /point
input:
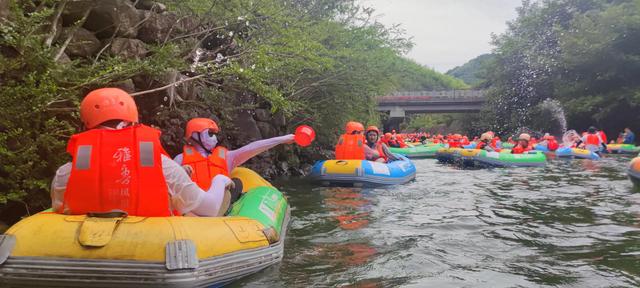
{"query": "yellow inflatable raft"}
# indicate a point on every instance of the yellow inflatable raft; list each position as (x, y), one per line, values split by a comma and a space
(53, 250)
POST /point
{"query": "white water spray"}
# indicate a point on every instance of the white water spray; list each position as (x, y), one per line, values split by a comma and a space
(556, 110)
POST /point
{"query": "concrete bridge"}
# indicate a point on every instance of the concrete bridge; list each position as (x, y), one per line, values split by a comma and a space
(400, 104)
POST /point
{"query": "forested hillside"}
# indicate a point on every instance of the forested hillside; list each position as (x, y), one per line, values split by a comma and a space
(583, 54)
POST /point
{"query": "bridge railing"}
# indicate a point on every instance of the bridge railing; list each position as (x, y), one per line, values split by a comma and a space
(422, 96)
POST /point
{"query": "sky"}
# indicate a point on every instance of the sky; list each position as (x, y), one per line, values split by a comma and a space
(447, 33)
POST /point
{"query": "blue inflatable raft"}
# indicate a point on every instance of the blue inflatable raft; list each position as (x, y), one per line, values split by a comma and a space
(362, 173)
(566, 152)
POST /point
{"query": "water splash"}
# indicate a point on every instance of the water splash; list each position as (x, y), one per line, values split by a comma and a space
(570, 137)
(555, 108)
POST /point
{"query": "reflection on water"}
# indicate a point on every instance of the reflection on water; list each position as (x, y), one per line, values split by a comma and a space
(570, 224)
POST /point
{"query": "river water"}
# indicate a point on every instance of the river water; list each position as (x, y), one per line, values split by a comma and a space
(573, 223)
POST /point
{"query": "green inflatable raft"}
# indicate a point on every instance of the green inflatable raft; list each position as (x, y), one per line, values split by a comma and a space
(417, 152)
(623, 148)
(495, 159)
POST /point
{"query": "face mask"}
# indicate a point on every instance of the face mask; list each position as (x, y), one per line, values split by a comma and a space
(121, 125)
(208, 142)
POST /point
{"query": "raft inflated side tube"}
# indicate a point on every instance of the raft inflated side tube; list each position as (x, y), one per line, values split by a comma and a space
(473, 145)
(541, 148)
(54, 250)
(566, 152)
(496, 159)
(465, 157)
(623, 148)
(445, 155)
(362, 173)
(417, 152)
(507, 145)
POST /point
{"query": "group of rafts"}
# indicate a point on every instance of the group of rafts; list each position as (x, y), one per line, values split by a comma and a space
(453, 150)
(57, 250)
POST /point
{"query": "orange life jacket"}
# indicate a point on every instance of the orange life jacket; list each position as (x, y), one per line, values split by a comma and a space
(205, 168)
(350, 147)
(117, 170)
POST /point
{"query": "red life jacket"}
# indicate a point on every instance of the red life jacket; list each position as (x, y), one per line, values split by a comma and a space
(455, 144)
(481, 145)
(519, 149)
(593, 139)
(394, 143)
(205, 168)
(381, 151)
(350, 147)
(552, 145)
(117, 170)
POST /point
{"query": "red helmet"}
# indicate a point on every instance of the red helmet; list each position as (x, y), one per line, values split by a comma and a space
(373, 128)
(106, 104)
(387, 135)
(199, 125)
(353, 126)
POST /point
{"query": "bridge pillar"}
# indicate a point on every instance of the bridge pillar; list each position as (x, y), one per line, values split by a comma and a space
(396, 117)
(397, 112)
(393, 123)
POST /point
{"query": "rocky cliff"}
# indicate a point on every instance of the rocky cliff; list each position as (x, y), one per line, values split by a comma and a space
(89, 29)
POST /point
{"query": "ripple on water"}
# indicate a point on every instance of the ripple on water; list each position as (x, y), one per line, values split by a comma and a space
(569, 224)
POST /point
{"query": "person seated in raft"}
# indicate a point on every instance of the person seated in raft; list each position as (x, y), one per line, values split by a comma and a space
(629, 137)
(392, 141)
(592, 141)
(550, 142)
(437, 139)
(454, 141)
(496, 142)
(351, 145)
(377, 151)
(208, 162)
(119, 166)
(523, 144)
(603, 136)
(486, 143)
(570, 139)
